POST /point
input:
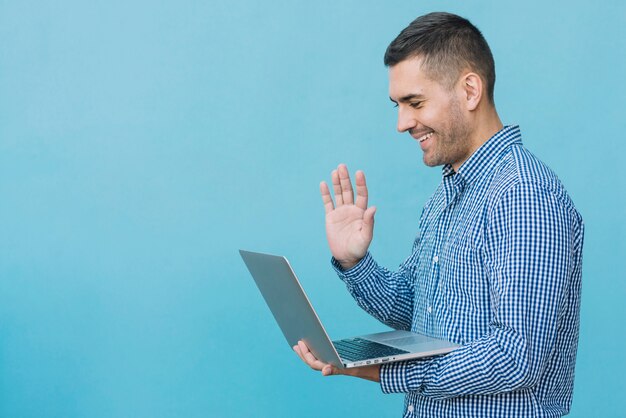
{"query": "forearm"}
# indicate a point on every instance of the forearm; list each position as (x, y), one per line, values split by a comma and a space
(388, 296)
(494, 364)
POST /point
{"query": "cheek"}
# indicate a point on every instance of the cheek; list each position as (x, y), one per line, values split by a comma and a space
(433, 117)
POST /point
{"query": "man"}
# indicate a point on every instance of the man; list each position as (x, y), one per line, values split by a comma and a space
(497, 263)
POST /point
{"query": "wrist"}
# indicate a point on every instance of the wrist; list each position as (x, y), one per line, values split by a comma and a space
(347, 265)
(371, 373)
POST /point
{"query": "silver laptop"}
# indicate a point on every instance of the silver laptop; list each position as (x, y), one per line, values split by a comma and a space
(298, 320)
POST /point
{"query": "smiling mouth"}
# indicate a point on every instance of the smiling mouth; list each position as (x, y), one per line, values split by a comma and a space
(424, 137)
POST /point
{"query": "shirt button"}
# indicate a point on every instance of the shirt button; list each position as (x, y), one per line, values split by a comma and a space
(436, 259)
(429, 309)
(411, 408)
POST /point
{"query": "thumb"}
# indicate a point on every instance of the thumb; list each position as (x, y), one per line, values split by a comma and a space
(330, 370)
(368, 222)
(368, 217)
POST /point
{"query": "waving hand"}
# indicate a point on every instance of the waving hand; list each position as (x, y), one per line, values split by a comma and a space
(349, 224)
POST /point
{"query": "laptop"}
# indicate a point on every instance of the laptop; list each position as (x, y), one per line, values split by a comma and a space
(298, 321)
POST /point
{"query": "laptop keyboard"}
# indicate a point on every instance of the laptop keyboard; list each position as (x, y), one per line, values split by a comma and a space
(356, 349)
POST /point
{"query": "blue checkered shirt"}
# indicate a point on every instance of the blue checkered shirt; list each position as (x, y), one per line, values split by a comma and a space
(496, 268)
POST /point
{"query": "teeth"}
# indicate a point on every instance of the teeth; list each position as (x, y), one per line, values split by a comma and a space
(425, 137)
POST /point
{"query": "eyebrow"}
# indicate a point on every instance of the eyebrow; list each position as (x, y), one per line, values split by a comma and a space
(409, 97)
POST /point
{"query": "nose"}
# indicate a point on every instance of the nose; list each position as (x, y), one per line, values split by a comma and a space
(406, 120)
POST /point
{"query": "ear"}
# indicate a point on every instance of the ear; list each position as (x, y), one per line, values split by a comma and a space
(472, 86)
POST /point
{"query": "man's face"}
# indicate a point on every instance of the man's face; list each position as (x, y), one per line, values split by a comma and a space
(431, 113)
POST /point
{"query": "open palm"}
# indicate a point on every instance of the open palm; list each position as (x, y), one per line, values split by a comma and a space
(349, 224)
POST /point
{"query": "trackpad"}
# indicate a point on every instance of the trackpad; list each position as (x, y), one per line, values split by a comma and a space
(399, 338)
(410, 340)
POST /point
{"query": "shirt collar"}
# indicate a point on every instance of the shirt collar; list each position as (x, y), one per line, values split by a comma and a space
(486, 155)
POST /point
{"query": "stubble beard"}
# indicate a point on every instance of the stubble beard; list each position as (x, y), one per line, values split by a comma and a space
(452, 140)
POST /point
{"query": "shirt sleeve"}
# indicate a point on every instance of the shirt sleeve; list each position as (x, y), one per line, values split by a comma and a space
(387, 296)
(528, 258)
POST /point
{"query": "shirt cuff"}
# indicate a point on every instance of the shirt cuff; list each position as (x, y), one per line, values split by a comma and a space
(357, 273)
(402, 377)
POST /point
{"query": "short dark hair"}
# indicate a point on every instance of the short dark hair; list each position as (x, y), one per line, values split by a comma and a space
(448, 44)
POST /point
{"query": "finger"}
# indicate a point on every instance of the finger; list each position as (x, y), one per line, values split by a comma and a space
(368, 217)
(328, 201)
(337, 188)
(329, 370)
(298, 352)
(306, 354)
(314, 363)
(361, 190)
(368, 223)
(309, 358)
(346, 184)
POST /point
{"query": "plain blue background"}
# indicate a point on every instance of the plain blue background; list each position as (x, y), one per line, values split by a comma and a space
(142, 143)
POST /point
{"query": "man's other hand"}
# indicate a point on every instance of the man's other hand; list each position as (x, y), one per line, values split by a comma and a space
(349, 224)
(367, 372)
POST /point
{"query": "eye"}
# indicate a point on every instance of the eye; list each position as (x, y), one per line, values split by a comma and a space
(416, 105)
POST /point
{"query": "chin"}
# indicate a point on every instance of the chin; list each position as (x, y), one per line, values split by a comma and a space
(431, 162)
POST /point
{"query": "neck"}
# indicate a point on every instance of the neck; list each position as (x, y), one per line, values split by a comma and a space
(484, 124)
